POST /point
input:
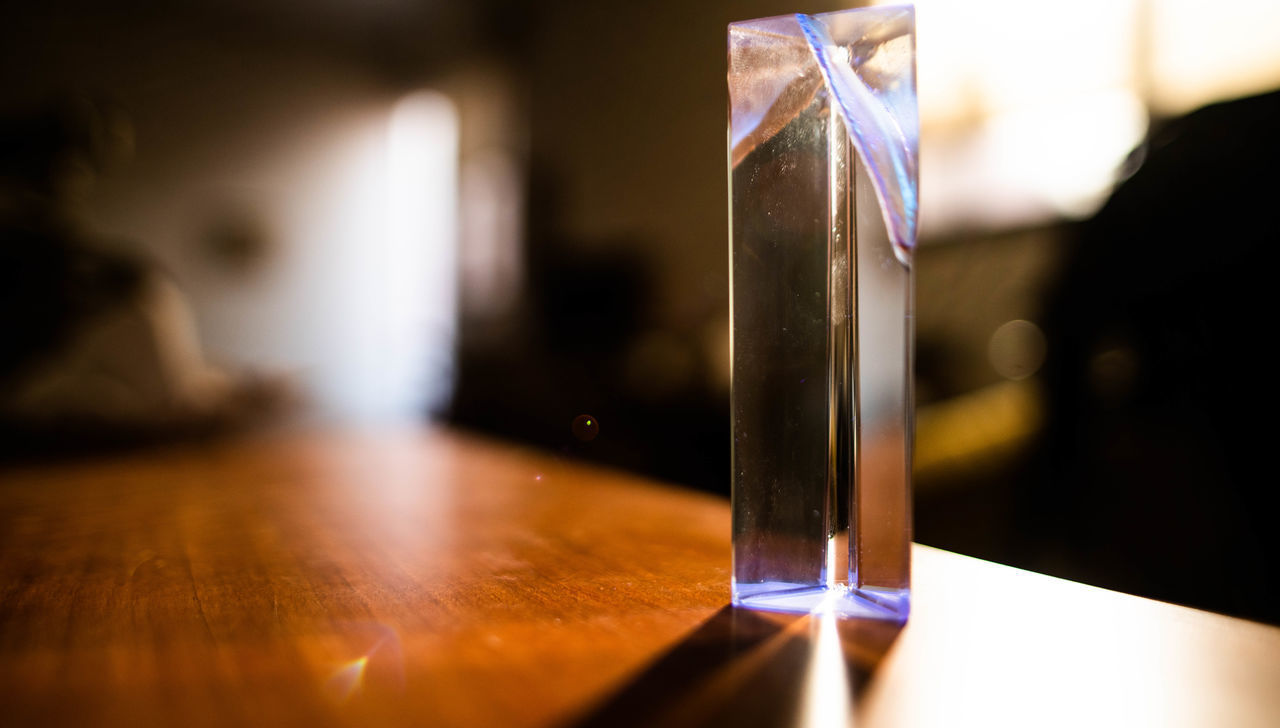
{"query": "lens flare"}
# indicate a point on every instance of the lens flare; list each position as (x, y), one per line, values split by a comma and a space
(585, 427)
(348, 678)
(379, 668)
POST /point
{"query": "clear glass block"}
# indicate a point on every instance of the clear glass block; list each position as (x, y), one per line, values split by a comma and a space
(823, 147)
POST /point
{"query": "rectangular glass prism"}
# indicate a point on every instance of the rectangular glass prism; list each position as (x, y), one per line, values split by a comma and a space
(823, 146)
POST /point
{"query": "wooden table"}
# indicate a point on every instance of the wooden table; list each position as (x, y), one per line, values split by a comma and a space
(419, 578)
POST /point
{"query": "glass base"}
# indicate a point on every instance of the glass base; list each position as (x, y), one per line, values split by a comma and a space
(841, 600)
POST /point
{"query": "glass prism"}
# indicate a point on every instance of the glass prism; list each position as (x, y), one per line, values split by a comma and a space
(823, 182)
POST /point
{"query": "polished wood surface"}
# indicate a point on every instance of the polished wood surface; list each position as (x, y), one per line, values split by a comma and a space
(428, 578)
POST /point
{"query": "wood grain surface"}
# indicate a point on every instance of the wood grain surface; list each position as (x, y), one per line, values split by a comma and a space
(429, 578)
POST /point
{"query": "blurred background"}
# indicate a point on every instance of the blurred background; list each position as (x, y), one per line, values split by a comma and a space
(510, 217)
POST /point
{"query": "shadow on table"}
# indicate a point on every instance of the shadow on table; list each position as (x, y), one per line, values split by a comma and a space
(751, 668)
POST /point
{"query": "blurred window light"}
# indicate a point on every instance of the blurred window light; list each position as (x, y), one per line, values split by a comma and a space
(1205, 52)
(390, 334)
(1032, 164)
(1030, 109)
(414, 288)
(981, 58)
(492, 171)
(492, 214)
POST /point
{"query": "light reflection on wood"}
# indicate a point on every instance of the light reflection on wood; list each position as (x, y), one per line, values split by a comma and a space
(225, 584)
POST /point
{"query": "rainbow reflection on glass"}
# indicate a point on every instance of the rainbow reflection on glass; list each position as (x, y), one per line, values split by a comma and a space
(823, 149)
